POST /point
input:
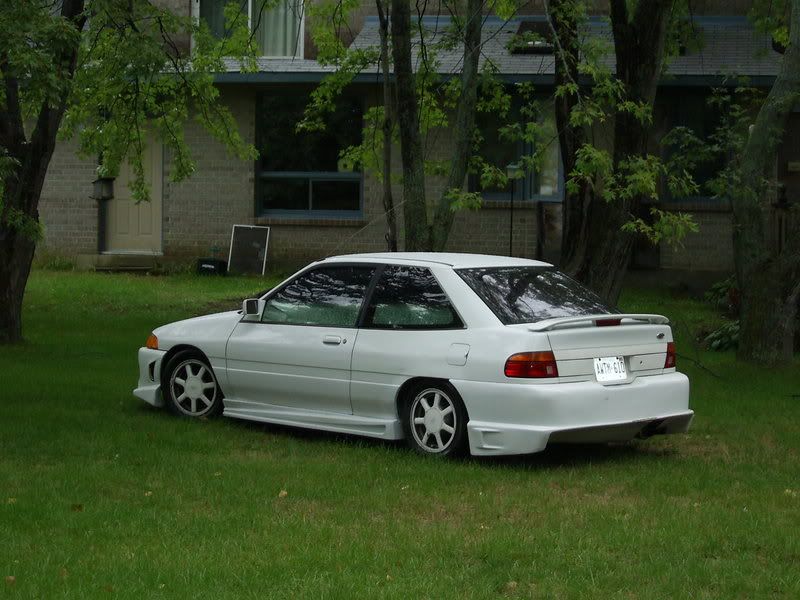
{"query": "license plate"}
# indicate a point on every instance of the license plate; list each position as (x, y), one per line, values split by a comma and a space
(610, 368)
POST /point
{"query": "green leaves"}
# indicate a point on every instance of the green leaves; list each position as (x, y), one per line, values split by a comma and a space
(11, 217)
(135, 82)
(461, 200)
(666, 226)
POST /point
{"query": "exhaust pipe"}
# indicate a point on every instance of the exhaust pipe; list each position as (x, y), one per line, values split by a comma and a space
(650, 429)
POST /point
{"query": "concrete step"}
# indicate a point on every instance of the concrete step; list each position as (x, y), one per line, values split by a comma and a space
(117, 262)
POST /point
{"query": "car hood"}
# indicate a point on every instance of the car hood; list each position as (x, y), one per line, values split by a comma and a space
(207, 332)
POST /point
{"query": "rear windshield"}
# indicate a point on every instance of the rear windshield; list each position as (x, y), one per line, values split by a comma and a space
(531, 294)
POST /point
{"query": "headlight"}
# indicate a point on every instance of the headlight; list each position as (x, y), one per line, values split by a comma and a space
(152, 342)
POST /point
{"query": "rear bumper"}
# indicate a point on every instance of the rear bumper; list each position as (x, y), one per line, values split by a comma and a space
(149, 386)
(521, 418)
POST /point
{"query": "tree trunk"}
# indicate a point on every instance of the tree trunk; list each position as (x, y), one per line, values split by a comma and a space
(639, 48)
(464, 125)
(23, 186)
(562, 17)
(415, 212)
(593, 247)
(768, 317)
(769, 278)
(388, 200)
(16, 256)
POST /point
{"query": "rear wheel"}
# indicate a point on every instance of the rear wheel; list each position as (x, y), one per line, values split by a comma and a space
(434, 419)
(191, 387)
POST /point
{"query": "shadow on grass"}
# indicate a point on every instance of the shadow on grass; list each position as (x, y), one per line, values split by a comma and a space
(555, 456)
(558, 456)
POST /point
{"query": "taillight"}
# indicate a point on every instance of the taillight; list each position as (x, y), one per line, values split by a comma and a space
(669, 363)
(531, 364)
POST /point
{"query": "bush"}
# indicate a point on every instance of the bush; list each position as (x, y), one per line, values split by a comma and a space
(724, 296)
(724, 338)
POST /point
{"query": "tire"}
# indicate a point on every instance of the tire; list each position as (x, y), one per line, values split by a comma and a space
(434, 419)
(190, 387)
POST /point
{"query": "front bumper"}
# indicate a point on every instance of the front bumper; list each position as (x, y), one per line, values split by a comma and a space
(521, 418)
(149, 387)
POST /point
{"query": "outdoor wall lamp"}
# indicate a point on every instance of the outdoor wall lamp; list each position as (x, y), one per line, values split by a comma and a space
(103, 188)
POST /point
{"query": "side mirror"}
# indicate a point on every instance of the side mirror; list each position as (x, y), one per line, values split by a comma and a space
(251, 307)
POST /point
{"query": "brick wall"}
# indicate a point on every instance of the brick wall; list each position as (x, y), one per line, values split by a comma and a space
(199, 211)
(710, 249)
(68, 213)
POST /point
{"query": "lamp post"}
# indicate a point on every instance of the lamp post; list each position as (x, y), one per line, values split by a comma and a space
(513, 172)
(102, 192)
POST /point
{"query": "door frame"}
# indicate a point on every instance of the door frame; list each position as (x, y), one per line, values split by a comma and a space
(157, 189)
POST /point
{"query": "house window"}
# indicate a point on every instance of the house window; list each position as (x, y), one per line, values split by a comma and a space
(691, 109)
(301, 174)
(277, 30)
(545, 184)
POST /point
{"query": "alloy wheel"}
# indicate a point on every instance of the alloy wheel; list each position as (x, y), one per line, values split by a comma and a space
(193, 387)
(433, 420)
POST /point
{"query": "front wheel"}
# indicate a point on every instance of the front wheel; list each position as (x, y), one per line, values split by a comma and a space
(435, 420)
(191, 387)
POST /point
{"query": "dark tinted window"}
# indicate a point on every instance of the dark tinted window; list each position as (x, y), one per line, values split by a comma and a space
(304, 171)
(331, 296)
(410, 298)
(530, 294)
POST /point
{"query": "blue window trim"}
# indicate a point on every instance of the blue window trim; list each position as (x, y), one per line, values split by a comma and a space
(311, 177)
(522, 193)
(308, 214)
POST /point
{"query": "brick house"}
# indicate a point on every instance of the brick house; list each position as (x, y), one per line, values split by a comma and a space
(316, 206)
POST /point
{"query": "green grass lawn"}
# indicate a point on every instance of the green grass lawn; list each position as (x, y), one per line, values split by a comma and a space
(103, 496)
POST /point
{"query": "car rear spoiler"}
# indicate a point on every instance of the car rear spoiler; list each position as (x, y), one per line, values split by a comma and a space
(558, 323)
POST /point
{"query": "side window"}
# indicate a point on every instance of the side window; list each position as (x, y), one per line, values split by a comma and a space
(330, 296)
(410, 298)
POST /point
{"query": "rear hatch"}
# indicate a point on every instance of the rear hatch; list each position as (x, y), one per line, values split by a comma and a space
(612, 349)
(589, 339)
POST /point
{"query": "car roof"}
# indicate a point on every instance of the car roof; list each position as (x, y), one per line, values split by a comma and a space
(452, 259)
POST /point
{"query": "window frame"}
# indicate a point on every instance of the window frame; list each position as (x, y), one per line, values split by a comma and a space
(676, 116)
(309, 177)
(300, 50)
(269, 295)
(522, 193)
(363, 324)
(462, 273)
(379, 268)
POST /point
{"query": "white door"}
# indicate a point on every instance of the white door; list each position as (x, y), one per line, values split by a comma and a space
(133, 227)
(298, 355)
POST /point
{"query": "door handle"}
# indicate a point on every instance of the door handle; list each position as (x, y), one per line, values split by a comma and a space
(333, 340)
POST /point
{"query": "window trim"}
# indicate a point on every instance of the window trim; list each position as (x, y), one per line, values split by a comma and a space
(370, 289)
(310, 177)
(460, 271)
(522, 193)
(310, 269)
(362, 323)
(300, 49)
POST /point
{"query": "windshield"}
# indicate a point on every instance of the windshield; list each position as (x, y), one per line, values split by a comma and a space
(531, 294)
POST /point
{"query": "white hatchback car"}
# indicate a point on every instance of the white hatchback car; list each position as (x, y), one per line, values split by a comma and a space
(449, 351)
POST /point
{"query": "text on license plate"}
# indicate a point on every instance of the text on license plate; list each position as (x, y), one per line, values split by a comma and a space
(610, 368)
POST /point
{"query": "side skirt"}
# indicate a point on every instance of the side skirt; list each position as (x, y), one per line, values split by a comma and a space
(387, 429)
